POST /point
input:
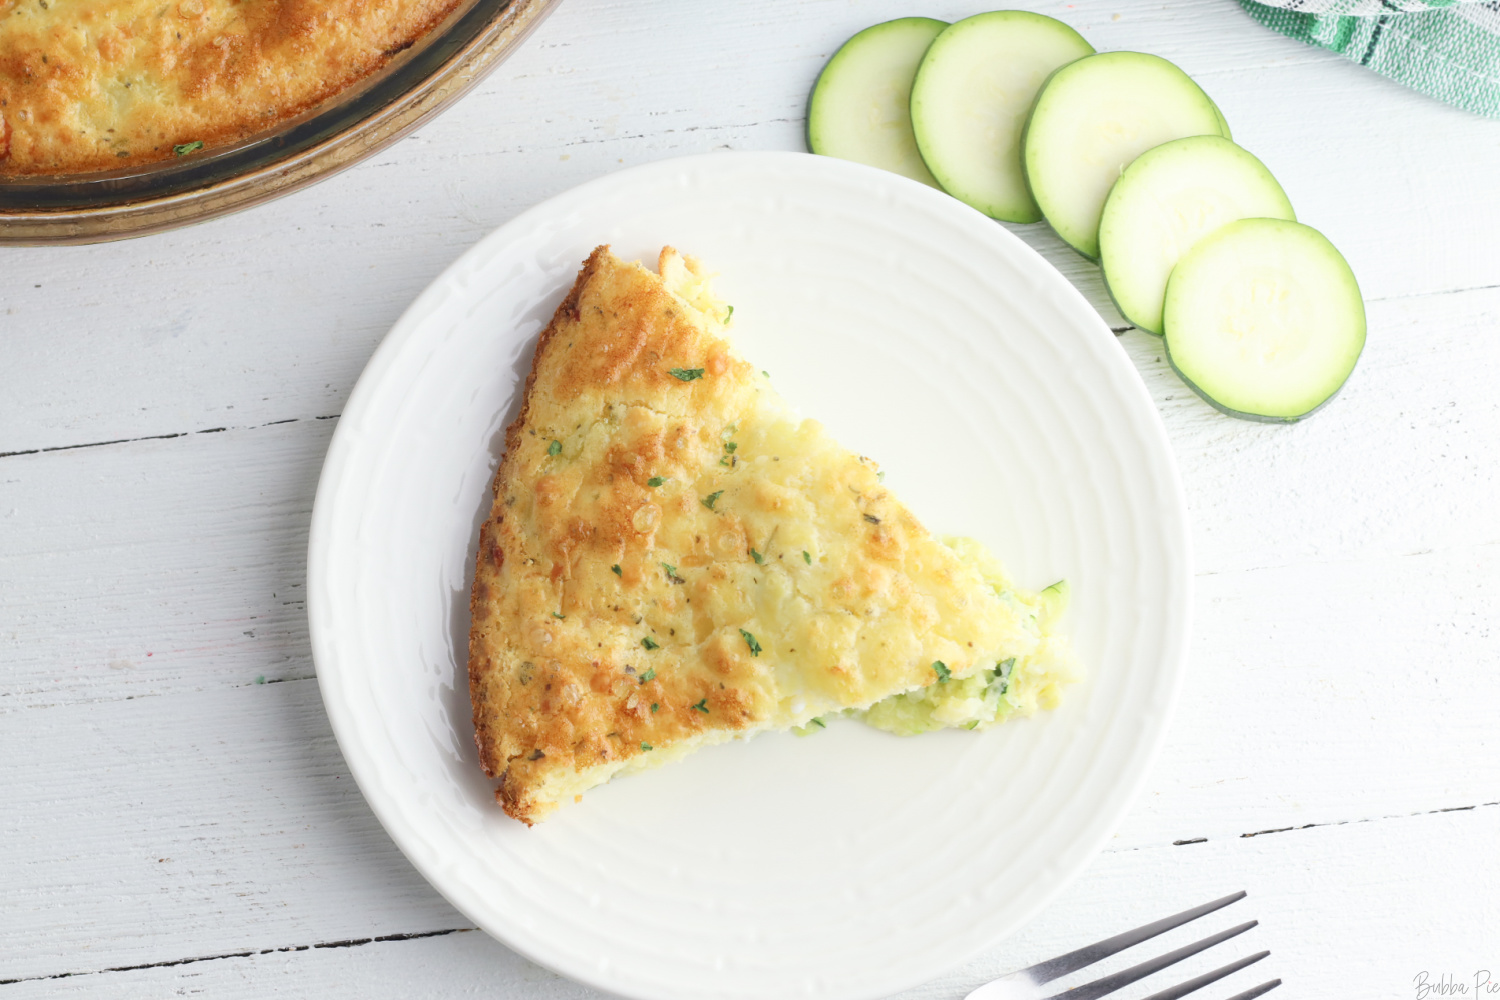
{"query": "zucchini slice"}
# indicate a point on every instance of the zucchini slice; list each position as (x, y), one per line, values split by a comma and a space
(1264, 319)
(860, 106)
(1090, 120)
(1166, 201)
(970, 100)
(1223, 122)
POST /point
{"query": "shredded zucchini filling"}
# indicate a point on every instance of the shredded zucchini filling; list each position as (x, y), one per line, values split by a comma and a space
(1015, 685)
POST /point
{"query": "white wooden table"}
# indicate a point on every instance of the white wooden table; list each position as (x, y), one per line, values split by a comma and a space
(175, 816)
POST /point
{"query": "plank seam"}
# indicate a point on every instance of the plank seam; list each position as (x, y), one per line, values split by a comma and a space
(1445, 291)
(1312, 826)
(417, 935)
(1469, 547)
(589, 141)
(348, 943)
(161, 437)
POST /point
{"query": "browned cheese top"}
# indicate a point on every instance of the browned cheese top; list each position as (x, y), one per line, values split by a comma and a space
(91, 85)
(674, 557)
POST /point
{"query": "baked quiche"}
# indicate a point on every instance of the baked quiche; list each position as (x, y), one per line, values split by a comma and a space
(674, 558)
(91, 85)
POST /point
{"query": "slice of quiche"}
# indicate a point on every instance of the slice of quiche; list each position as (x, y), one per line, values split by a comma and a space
(675, 559)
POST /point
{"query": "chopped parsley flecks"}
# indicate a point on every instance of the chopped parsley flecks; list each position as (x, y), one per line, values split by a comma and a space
(806, 558)
(615, 569)
(559, 615)
(880, 476)
(817, 720)
(757, 557)
(654, 706)
(645, 747)
(655, 481)
(972, 725)
(765, 373)
(712, 499)
(751, 642)
(188, 147)
(729, 314)
(727, 461)
(688, 374)
(1001, 673)
(649, 675)
(702, 705)
(671, 572)
(555, 448)
(942, 671)
(730, 446)
(650, 643)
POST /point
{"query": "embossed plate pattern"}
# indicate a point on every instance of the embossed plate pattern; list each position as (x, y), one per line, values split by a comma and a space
(851, 864)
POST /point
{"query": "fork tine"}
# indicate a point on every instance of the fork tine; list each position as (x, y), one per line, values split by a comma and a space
(1260, 990)
(1056, 968)
(1101, 987)
(1193, 985)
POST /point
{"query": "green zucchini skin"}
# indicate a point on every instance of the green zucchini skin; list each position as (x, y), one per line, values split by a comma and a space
(869, 80)
(1132, 101)
(1318, 287)
(1025, 139)
(972, 97)
(1260, 418)
(1166, 200)
(1223, 122)
(1230, 411)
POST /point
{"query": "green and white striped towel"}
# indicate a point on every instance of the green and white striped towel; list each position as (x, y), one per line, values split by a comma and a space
(1448, 49)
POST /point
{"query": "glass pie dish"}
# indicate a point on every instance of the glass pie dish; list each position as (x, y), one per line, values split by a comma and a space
(360, 120)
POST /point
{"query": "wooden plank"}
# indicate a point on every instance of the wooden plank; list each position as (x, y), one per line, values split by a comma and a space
(1310, 701)
(271, 314)
(1386, 892)
(1386, 889)
(215, 821)
(1337, 672)
(173, 565)
(226, 818)
(166, 807)
(1402, 461)
(176, 565)
(1330, 692)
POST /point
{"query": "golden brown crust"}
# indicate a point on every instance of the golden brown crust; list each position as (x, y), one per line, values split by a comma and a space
(89, 85)
(591, 710)
(672, 558)
(491, 558)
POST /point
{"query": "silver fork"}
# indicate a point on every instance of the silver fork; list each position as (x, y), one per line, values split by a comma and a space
(1030, 983)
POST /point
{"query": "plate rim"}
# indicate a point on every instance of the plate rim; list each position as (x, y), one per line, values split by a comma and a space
(1175, 640)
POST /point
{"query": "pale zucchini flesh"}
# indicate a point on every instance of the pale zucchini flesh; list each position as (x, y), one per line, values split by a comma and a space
(860, 106)
(1091, 119)
(970, 100)
(1167, 200)
(1264, 319)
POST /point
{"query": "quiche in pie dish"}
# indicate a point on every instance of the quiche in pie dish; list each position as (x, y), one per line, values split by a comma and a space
(89, 85)
(674, 558)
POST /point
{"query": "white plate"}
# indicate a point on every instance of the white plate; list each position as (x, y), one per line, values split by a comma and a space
(852, 863)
